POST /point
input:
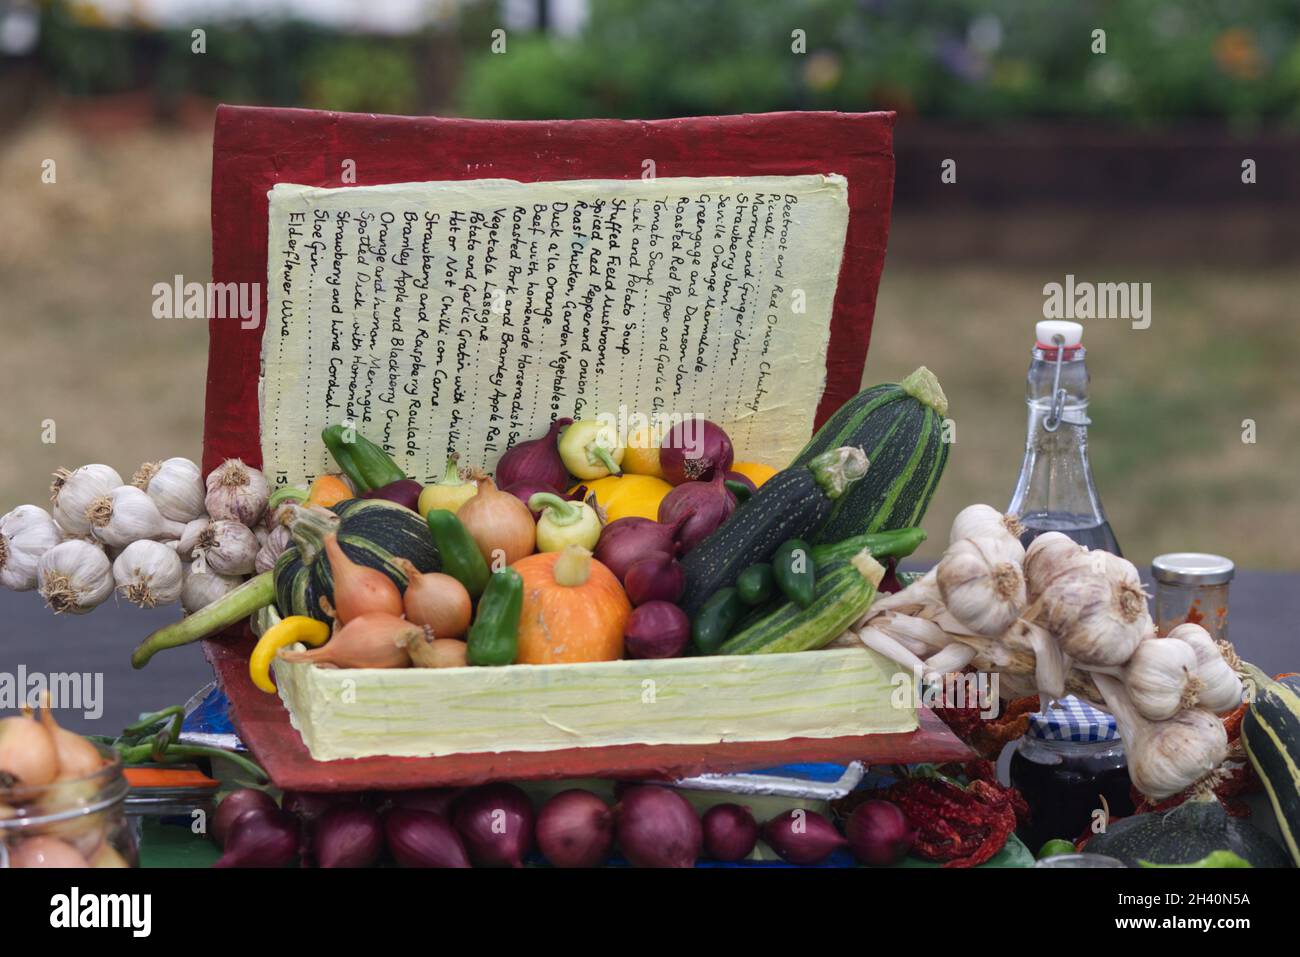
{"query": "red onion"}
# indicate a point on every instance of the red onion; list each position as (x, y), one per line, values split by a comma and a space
(657, 827)
(657, 629)
(730, 832)
(309, 805)
(704, 506)
(526, 489)
(656, 578)
(879, 833)
(802, 837)
(496, 823)
(235, 805)
(255, 839)
(694, 450)
(626, 541)
(537, 460)
(575, 829)
(347, 835)
(423, 839)
(403, 492)
(437, 800)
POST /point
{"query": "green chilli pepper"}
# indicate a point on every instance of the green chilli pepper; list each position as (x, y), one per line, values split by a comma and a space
(494, 637)
(794, 571)
(461, 558)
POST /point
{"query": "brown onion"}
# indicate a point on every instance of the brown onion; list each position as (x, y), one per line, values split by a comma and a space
(359, 589)
(372, 641)
(437, 600)
(500, 524)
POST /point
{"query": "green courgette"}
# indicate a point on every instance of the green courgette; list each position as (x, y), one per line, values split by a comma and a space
(842, 596)
(901, 428)
(756, 584)
(791, 504)
(715, 621)
(794, 571)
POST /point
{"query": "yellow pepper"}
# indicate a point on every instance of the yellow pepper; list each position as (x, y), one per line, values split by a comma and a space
(622, 496)
(642, 454)
(292, 629)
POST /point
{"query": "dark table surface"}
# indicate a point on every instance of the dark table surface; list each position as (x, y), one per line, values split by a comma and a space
(1265, 609)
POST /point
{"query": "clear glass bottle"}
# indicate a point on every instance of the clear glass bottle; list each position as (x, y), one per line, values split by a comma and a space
(1055, 491)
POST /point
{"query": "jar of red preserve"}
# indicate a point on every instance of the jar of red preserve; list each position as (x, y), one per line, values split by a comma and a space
(1070, 758)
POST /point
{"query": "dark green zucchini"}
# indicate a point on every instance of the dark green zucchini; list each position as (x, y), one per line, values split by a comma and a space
(788, 505)
(1270, 733)
(900, 427)
(372, 532)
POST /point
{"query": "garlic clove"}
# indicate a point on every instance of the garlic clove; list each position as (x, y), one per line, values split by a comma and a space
(74, 577)
(982, 583)
(1221, 689)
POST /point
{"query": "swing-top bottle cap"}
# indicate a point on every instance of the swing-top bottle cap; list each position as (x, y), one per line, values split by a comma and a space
(1071, 334)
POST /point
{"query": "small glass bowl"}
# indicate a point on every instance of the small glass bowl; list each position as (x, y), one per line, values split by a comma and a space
(79, 822)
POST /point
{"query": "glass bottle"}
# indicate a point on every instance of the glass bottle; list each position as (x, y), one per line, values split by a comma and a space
(1055, 491)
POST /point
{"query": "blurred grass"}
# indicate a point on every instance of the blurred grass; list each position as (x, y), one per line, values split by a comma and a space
(78, 344)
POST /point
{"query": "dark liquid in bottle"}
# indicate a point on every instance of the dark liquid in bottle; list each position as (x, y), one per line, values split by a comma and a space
(1063, 797)
(1082, 528)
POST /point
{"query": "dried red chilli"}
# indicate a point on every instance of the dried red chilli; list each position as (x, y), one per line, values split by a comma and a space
(960, 826)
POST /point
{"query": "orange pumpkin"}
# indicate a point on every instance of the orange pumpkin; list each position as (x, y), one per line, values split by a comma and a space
(574, 609)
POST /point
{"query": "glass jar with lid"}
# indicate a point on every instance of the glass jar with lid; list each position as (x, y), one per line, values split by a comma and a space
(78, 822)
(1192, 587)
(1069, 764)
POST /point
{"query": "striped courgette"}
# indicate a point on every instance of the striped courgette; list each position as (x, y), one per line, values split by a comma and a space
(901, 428)
(843, 594)
(1270, 733)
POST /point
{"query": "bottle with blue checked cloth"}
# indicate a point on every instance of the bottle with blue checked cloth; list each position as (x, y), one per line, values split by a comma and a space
(1070, 758)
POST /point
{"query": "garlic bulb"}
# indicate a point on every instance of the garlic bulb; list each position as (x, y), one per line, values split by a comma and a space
(26, 534)
(201, 587)
(1161, 678)
(1096, 609)
(1048, 557)
(1165, 757)
(189, 539)
(72, 492)
(148, 574)
(1221, 688)
(126, 515)
(237, 493)
(982, 584)
(276, 543)
(75, 577)
(983, 521)
(227, 548)
(176, 487)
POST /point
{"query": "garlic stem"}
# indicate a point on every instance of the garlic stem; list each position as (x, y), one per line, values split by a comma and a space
(878, 641)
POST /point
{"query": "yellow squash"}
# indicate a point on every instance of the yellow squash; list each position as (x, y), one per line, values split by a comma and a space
(625, 495)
